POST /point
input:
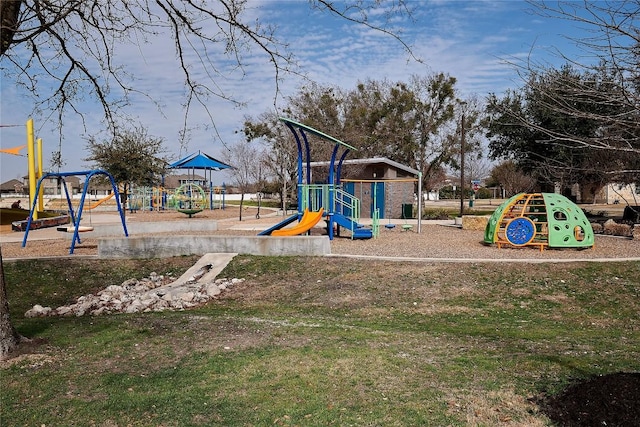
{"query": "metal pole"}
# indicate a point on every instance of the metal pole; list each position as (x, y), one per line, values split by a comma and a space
(39, 173)
(419, 202)
(462, 166)
(31, 163)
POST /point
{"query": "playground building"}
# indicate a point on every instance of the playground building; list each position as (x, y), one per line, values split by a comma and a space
(380, 184)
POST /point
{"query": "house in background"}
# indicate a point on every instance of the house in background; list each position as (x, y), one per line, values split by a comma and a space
(620, 193)
(13, 187)
(379, 183)
(171, 182)
(99, 188)
(52, 186)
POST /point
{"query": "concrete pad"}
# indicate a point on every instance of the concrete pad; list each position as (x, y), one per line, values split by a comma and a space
(205, 270)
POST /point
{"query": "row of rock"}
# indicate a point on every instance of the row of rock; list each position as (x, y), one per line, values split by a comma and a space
(155, 293)
(613, 228)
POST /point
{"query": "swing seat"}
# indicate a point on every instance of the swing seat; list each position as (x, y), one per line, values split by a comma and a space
(71, 229)
(189, 212)
(390, 226)
(407, 227)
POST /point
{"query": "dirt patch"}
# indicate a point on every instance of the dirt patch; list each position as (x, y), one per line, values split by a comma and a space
(607, 400)
(31, 353)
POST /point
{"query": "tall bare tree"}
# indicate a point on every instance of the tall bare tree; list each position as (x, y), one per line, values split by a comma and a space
(247, 162)
(74, 44)
(580, 123)
(611, 54)
(71, 46)
(280, 152)
(510, 179)
(520, 126)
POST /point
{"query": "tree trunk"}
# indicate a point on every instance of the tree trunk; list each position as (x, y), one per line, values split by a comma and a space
(241, 203)
(9, 12)
(259, 204)
(9, 337)
(124, 198)
(284, 198)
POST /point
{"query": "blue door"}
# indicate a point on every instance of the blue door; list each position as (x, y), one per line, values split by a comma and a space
(377, 198)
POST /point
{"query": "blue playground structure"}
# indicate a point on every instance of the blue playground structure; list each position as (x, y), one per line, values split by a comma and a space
(189, 197)
(340, 208)
(75, 216)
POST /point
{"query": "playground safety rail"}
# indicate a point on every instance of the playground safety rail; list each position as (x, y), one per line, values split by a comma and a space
(334, 200)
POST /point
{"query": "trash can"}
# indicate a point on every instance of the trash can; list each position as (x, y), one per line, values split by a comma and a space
(407, 210)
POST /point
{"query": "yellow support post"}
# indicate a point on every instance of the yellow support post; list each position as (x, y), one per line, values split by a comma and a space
(31, 164)
(39, 176)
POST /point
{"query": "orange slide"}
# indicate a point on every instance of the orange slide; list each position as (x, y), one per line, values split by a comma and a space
(309, 219)
(99, 202)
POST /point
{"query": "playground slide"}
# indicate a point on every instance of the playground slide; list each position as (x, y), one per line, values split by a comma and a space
(279, 225)
(99, 202)
(359, 232)
(309, 219)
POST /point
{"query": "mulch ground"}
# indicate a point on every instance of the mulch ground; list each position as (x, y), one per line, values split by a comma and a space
(607, 400)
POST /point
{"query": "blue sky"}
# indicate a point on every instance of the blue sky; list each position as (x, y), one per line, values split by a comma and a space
(473, 41)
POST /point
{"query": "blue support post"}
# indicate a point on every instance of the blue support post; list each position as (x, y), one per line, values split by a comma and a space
(76, 217)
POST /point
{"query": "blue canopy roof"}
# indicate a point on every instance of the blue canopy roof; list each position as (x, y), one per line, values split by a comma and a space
(199, 161)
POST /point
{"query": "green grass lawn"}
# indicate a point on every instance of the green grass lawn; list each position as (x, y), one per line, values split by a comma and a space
(317, 342)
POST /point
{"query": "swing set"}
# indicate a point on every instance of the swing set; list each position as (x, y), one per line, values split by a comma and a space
(76, 216)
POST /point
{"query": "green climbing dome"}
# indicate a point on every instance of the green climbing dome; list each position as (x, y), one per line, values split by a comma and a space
(539, 219)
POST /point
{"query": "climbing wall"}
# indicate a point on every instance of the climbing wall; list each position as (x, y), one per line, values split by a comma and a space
(540, 220)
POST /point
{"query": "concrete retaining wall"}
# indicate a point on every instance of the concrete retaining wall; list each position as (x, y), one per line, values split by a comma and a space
(167, 246)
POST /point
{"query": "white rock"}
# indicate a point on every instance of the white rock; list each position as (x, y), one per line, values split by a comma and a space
(130, 282)
(210, 290)
(38, 311)
(187, 296)
(63, 311)
(99, 311)
(148, 294)
(148, 302)
(113, 289)
(134, 307)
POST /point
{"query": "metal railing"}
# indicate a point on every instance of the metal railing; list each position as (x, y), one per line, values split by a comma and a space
(336, 200)
(315, 196)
